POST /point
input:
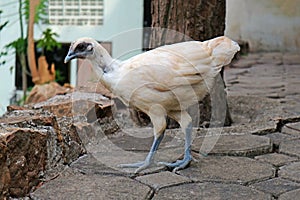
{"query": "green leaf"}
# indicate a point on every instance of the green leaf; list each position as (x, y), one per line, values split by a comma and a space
(3, 25)
(40, 11)
(48, 41)
(19, 45)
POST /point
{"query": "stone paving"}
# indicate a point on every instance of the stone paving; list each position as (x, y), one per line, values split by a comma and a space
(256, 158)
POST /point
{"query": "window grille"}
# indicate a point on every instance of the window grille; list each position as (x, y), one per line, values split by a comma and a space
(76, 12)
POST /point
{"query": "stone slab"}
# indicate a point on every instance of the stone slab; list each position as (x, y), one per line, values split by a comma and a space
(210, 191)
(290, 147)
(235, 145)
(88, 164)
(276, 79)
(246, 109)
(132, 146)
(244, 63)
(162, 179)
(290, 58)
(277, 138)
(276, 159)
(291, 171)
(140, 139)
(292, 88)
(270, 56)
(94, 187)
(112, 158)
(292, 129)
(276, 186)
(228, 169)
(290, 195)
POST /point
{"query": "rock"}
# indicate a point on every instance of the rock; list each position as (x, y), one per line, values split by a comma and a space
(243, 63)
(235, 145)
(63, 143)
(73, 104)
(43, 92)
(34, 142)
(88, 164)
(99, 111)
(27, 118)
(209, 191)
(290, 147)
(276, 186)
(58, 121)
(291, 172)
(277, 138)
(291, 87)
(78, 186)
(141, 139)
(274, 58)
(112, 150)
(294, 194)
(5, 178)
(23, 160)
(276, 159)
(292, 129)
(275, 80)
(291, 59)
(163, 179)
(94, 88)
(292, 106)
(228, 169)
(11, 108)
(245, 109)
(71, 144)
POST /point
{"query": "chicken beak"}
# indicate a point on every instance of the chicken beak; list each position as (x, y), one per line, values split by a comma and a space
(71, 55)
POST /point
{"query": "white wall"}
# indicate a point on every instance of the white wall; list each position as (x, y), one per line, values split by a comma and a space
(123, 22)
(7, 35)
(119, 16)
(270, 25)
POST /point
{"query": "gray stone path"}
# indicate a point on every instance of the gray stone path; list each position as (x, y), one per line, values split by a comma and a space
(257, 158)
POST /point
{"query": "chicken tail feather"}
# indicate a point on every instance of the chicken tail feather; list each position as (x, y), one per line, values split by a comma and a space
(223, 50)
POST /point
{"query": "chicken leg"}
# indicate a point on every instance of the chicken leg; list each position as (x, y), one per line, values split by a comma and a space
(149, 159)
(180, 164)
(157, 115)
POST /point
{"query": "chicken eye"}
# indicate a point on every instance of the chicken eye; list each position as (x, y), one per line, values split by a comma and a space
(81, 47)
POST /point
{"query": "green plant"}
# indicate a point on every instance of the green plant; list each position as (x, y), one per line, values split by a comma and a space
(58, 76)
(4, 24)
(48, 41)
(40, 12)
(19, 45)
(2, 52)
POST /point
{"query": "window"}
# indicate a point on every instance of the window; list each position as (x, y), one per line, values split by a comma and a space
(56, 57)
(76, 12)
(147, 25)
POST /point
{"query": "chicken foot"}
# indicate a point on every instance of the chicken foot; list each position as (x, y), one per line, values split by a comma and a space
(149, 159)
(181, 164)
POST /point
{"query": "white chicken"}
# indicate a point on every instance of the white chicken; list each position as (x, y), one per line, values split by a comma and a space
(162, 82)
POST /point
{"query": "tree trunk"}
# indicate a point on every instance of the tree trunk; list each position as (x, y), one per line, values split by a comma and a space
(30, 48)
(21, 54)
(192, 20)
(180, 20)
(22, 58)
